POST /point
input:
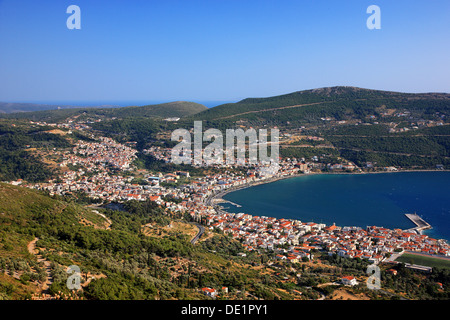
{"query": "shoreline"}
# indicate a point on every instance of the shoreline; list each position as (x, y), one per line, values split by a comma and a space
(215, 199)
(219, 195)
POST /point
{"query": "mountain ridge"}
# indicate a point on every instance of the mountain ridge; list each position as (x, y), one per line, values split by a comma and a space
(163, 110)
(15, 107)
(333, 101)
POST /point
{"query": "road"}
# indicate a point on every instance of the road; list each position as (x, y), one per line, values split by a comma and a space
(201, 230)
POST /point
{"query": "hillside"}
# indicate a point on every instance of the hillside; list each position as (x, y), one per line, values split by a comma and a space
(367, 127)
(144, 252)
(337, 103)
(68, 234)
(21, 148)
(171, 109)
(128, 255)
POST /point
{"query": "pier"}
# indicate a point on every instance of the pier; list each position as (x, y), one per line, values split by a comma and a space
(230, 202)
(419, 222)
(220, 200)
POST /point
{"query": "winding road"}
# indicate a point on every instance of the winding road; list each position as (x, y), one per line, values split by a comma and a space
(201, 230)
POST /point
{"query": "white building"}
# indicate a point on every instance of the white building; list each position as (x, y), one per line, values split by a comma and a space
(349, 281)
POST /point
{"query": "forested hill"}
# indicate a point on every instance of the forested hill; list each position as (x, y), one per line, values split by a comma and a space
(170, 109)
(12, 107)
(108, 246)
(339, 103)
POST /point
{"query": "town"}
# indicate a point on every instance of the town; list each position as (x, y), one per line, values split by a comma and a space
(104, 171)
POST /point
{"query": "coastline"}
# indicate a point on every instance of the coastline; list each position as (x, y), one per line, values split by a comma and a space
(216, 198)
(219, 196)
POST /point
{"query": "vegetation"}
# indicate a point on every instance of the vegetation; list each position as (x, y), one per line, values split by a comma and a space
(416, 285)
(128, 264)
(424, 261)
(17, 142)
(423, 148)
(164, 110)
(340, 103)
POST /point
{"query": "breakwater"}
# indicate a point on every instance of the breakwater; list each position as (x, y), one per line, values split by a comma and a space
(419, 222)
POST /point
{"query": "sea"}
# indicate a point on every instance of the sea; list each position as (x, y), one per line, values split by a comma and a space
(379, 199)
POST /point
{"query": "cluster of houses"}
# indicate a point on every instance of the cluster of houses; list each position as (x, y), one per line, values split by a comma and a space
(88, 169)
(91, 155)
(293, 240)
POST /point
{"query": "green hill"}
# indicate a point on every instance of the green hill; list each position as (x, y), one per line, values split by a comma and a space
(12, 107)
(40, 237)
(171, 109)
(407, 130)
(339, 103)
(124, 261)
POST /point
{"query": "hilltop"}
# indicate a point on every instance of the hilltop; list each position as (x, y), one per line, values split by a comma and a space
(367, 127)
(170, 109)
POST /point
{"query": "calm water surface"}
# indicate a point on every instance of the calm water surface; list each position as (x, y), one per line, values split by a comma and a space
(353, 200)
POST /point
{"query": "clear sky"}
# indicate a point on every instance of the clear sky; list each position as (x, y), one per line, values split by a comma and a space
(218, 49)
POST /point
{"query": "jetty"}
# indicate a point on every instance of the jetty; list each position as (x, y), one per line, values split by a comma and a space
(230, 202)
(419, 222)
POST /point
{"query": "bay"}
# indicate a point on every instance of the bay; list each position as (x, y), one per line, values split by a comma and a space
(360, 200)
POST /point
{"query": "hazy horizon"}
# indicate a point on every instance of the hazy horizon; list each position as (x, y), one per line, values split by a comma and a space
(218, 51)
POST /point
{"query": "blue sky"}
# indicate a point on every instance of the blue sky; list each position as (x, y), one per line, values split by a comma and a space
(218, 49)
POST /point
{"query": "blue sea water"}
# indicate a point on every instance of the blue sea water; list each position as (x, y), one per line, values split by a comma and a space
(353, 200)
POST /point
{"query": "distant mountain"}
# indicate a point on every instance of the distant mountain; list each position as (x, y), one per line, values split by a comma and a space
(366, 127)
(171, 109)
(339, 103)
(11, 107)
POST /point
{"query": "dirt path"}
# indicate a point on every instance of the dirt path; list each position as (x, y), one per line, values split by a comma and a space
(48, 280)
(32, 246)
(274, 109)
(281, 108)
(94, 210)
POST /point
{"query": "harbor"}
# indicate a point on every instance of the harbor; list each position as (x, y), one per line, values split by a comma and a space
(419, 222)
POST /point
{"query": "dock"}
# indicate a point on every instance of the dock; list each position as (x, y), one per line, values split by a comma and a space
(226, 201)
(419, 222)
